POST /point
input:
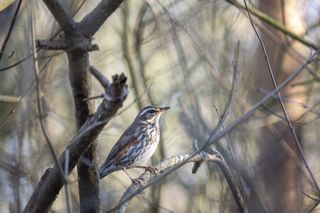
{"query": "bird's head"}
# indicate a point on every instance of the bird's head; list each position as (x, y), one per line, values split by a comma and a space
(151, 114)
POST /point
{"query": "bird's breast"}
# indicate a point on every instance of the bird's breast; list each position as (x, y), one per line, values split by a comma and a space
(148, 142)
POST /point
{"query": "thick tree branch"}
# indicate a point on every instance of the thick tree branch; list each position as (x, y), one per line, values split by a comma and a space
(51, 182)
(91, 23)
(88, 178)
(60, 14)
(147, 178)
(66, 45)
(76, 41)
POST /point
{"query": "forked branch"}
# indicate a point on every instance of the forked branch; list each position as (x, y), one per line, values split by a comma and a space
(51, 182)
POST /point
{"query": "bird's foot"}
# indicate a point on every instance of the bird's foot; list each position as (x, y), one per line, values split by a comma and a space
(152, 169)
(137, 181)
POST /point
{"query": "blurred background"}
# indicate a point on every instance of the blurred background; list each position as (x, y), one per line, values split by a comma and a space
(182, 54)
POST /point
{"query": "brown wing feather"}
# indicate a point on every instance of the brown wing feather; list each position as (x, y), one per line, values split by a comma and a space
(126, 138)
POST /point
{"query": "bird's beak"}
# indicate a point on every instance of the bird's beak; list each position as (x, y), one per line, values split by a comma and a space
(161, 109)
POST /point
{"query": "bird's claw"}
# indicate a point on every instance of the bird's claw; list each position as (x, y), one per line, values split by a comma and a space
(152, 169)
(137, 181)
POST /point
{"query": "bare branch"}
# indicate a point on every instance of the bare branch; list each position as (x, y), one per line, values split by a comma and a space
(39, 105)
(3, 47)
(77, 43)
(14, 108)
(274, 23)
(63, 44)
(60, 44)
(94, 20)
(103, 80)
(60, 14)
(220, 134)
(291, 127)
(149, 178)
(51, 182)
(30, 55)
(227, 108)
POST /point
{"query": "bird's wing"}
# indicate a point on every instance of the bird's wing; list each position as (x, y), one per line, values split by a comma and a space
(128, 137)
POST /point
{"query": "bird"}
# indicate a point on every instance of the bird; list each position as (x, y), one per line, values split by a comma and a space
(137, 143)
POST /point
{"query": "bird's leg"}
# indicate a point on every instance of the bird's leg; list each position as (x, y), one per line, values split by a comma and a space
(136, 181)
(149, 169)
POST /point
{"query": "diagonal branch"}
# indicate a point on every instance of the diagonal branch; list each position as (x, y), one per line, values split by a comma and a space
(147, 178)
(291, 127)
(220, 134)
(77, 42)
(51, 182)
(13, 21)
(94, 20)
(274, 23)
(39, 105)
(60, 14)
(98, 75)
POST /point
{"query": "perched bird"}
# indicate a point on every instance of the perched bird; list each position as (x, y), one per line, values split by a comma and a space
(137, 144)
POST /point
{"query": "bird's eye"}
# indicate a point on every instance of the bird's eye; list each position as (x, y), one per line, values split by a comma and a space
(152, 111)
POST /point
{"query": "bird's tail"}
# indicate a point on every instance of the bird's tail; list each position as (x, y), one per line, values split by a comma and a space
(106, 169)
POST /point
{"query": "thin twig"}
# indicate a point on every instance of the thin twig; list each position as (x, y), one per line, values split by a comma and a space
(219, 135)
(14, 108)
(31, 55)
(16, 63)
(230, 100)
(235, 84)
(293, 132)
(93, 97)
(10, 29)
(233, 162)
(274, 23)
(43, 127)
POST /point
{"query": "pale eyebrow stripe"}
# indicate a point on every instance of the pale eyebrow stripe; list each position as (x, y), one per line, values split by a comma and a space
(145, 110)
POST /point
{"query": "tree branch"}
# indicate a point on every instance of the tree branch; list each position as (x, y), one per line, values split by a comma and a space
(60, 44)
(274, 23)
(219, 135)
(147, 178)
(60, 14)
(103, 80)
(51, 182)
(94, 20)
(283, 107)
(77, 42)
